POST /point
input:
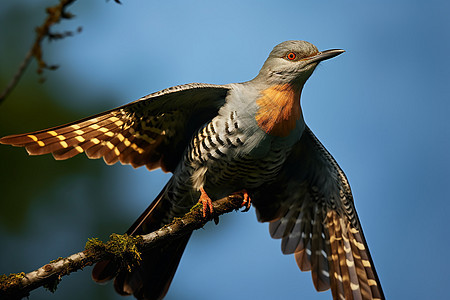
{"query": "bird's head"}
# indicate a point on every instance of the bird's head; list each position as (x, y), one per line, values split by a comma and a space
(292, 62)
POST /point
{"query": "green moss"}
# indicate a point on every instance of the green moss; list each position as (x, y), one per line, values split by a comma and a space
(93, 245)
(196, 206)
(11, 280)
(56, 260)
(121, 248)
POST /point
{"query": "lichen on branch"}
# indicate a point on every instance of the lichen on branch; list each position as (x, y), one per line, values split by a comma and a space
(124, 249)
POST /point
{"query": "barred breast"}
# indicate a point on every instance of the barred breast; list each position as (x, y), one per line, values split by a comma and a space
(225, 157)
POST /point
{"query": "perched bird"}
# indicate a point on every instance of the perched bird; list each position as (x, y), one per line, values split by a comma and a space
(217, 140)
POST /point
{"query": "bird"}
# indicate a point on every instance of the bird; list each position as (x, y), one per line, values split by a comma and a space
(217, 140)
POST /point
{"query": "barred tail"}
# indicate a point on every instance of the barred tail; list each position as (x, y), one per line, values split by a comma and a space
(152, 278)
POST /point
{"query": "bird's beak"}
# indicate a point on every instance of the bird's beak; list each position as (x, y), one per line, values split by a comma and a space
(324, 55)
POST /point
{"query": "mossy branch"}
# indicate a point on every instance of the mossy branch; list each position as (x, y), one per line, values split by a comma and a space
(121, 248)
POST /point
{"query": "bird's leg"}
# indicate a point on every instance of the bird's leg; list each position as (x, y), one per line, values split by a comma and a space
(206, 203)
(247, 202)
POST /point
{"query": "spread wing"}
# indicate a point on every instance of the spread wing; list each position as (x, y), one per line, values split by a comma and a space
(151, 131)
(310, 207)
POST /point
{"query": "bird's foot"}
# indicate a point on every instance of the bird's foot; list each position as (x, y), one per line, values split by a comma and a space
(206, 203)
(247, 202)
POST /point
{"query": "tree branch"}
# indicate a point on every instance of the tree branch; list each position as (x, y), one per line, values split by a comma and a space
(54, 15)
(121, 248)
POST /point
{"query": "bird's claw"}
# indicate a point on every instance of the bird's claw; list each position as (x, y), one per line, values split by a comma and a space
(247, 202)
(207, 207)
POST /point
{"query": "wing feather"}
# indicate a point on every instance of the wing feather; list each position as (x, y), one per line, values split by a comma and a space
(151, 131)
(310, 207)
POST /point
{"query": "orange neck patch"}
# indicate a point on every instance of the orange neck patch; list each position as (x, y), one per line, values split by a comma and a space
(279, 109)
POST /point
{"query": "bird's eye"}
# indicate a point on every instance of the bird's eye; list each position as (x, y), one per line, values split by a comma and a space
(291, 56)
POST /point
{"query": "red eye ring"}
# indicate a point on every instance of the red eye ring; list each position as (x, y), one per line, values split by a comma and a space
(291, 56)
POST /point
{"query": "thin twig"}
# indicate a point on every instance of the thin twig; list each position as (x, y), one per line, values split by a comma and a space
(54, 16)
(18, 286)
(17, 76)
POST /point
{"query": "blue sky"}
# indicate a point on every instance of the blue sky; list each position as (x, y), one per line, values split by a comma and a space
(381, 109)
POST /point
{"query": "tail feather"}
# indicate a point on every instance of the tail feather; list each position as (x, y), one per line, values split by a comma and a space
(152, 278)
